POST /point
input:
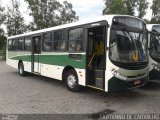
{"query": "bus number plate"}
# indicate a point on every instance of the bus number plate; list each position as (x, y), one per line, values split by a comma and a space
(137, 82)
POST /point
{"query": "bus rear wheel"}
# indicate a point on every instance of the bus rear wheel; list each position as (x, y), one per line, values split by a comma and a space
(71, 80)
(21, 69)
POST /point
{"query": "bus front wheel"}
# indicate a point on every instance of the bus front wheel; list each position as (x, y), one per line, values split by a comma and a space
(21, 69)
(71, 80)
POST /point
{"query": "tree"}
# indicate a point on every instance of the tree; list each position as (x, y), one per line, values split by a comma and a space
(3, 41)
(130, 6)
(2, 33)
(141, 6)
(2, 15)
(155, 12)
(14, 20)
(67, 15)
(49, 13)
(115, 7)
(126, 7)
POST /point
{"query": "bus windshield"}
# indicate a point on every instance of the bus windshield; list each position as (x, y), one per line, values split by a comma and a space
(155, 45)
(128, 43)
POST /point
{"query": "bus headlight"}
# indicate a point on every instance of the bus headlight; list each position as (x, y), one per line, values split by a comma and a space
(156, 67)
(118, 75)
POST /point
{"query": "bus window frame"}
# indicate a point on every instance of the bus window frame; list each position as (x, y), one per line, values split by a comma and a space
(20, 38)
(65, 39)
(51, 41)
(30, 37)
(83, 39)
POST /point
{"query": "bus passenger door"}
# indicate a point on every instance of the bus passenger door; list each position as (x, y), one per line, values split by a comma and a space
(96, 57)
(36, 51)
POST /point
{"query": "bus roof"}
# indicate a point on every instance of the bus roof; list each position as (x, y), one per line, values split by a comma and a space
(108, 18)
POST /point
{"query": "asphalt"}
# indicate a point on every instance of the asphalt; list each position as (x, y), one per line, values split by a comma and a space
(35, 94)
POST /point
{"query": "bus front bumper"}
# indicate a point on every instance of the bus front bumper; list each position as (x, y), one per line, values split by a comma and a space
(115, 84)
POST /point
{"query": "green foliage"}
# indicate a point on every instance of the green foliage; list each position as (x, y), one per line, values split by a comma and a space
(130, 6)
(126, 7)
(155, 21)
(15, 22)
(3, 40)
(115, 7)
(2, 15)
(155, 12)
(67, 15)
(49, 13)
(142, 6)
(155, 8)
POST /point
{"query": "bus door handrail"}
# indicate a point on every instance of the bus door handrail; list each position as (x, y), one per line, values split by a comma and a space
(91, 59)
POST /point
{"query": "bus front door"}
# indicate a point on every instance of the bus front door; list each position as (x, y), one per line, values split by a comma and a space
(36, 54)
(96, 57)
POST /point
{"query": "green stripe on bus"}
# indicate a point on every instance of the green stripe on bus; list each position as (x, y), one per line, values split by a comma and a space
(61, 60)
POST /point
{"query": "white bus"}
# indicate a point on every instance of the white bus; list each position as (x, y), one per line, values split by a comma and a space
(154, 50)
(108, 53)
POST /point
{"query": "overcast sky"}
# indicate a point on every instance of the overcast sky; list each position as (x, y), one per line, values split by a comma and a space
(83, 8)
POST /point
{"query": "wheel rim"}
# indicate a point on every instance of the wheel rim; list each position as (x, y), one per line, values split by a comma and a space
(21, 69)
(71, 81)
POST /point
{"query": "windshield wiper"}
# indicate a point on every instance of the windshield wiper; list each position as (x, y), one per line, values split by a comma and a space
(129, 36)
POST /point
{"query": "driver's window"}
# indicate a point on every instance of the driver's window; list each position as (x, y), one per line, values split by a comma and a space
(112, 38)
(113, 48)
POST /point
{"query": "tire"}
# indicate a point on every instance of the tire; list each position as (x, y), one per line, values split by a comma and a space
(71, 80)
(21, 69)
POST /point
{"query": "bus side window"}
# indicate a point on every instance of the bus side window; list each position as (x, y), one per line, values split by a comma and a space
(47, 42)
(59, 41)
(21, 44)
(75, 40)
(9, 45)
(71, 42)
(15, 45)
(79, 39)
(27, 44)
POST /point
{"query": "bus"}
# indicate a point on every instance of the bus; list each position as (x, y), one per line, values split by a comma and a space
(154, 50)
(108, 53)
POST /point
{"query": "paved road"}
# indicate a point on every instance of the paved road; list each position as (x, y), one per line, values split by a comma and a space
(37, 94)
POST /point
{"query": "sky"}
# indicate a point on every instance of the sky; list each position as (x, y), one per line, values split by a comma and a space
(83, 8)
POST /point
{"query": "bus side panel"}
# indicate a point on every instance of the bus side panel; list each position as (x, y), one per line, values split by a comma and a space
(27, 66)
(52, 65)
(55, 71)
(81, 76)
(14, 58)
(52, 71)
(12, 63)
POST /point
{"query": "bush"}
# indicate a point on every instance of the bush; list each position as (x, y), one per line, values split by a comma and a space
(4, 54)
(3, 41)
